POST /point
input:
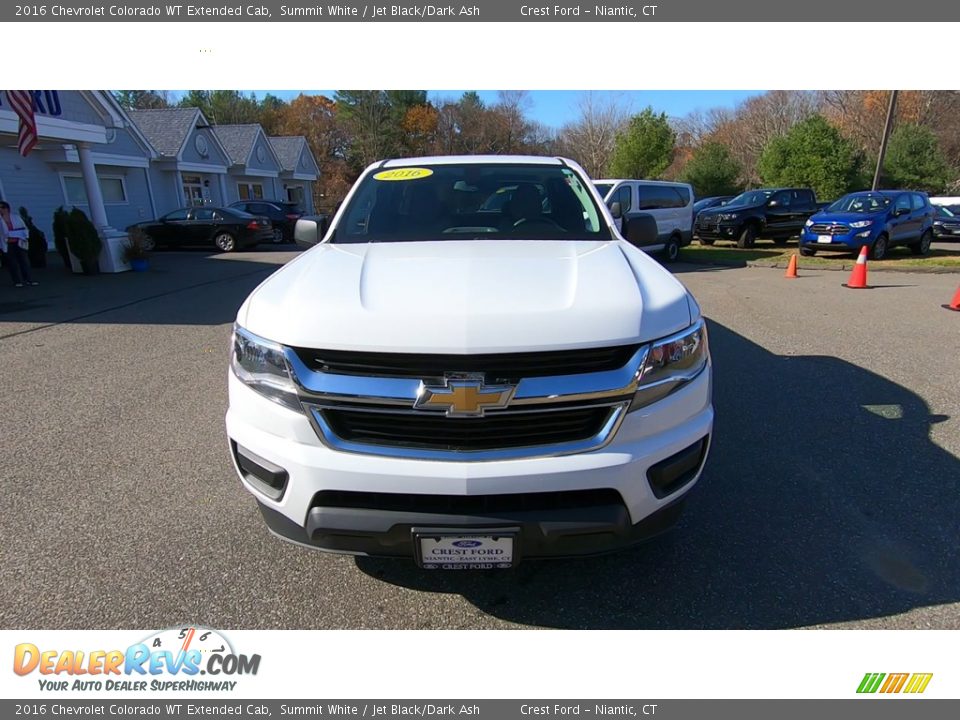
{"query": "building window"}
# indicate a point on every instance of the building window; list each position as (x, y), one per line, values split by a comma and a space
(250, 191)
(113, 189)
(295, 194)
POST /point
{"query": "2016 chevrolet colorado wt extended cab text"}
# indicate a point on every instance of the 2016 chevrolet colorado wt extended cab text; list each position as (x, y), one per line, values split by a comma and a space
(472, 367)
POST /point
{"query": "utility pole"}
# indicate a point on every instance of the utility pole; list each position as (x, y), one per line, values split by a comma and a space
(886, 136)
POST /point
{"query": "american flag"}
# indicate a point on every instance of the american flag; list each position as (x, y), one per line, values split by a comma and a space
(21, 101)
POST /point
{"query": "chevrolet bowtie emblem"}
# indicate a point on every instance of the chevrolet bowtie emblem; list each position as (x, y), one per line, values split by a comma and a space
(464, 396)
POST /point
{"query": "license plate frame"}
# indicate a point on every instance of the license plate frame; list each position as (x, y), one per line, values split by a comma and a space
(504, 540)
(824, 239)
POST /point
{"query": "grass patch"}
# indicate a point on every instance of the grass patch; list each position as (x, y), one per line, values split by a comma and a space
(775, 256)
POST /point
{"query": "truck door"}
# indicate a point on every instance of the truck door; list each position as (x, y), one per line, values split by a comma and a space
(780, 214)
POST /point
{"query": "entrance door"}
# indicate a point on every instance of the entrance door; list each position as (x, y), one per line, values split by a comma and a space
(193, 190)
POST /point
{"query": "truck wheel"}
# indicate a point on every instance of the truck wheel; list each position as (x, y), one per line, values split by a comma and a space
(748, 237)
(706, 241)
(671, 251)
(922, 247)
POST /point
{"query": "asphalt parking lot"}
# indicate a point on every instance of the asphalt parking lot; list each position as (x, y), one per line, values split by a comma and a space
(830, 497)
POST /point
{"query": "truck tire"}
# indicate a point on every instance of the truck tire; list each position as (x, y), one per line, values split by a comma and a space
(748, 237)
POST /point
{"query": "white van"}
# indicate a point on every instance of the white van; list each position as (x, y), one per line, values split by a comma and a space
(669, 203)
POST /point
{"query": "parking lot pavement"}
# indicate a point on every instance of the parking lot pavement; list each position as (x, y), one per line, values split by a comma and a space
(830, 497)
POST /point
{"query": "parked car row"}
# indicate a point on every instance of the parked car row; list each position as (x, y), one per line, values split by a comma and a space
(878, 219)
(242, 225)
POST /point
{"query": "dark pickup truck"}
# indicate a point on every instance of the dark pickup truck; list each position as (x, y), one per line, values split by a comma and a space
(775, 213)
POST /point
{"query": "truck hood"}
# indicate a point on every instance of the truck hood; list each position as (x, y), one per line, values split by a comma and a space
(464, 297)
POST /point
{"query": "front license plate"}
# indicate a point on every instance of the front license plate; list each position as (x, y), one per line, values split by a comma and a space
(465, 551)
(824, 239)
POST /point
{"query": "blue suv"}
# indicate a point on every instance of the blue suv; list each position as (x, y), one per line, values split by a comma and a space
(879, 219)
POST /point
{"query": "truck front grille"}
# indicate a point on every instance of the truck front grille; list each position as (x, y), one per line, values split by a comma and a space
(493, 431)
(558, 402)
(508, 367)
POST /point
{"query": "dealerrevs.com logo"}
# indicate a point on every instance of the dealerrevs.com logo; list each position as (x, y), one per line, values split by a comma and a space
(172, 659)
(910, 683)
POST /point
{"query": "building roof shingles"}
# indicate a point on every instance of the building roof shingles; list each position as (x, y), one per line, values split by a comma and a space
(238, 141)
(165, 128)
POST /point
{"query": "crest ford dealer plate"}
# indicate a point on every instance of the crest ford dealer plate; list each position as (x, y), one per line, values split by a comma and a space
(446, 550)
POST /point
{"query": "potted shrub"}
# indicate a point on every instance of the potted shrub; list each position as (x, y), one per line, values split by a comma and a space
(36, 241)
(84, 241)
(60, 224)
(136, 250)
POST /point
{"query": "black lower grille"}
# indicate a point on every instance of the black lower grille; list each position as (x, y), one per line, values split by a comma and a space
(494, 431)
(467, 504)
(506, 367)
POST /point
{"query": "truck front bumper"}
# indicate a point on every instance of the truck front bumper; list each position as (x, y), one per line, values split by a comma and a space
(558, 506)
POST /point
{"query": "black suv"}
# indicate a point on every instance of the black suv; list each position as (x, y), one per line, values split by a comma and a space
(775, 213)
(282, 214)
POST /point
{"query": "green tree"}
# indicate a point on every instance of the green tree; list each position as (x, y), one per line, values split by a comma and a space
(712, 171)
(141, 99)
(813, 154)
(915, 161)
(224, 107)
(645, 148)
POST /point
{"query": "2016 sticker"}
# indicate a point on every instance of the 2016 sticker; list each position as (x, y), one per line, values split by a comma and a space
(403, 174)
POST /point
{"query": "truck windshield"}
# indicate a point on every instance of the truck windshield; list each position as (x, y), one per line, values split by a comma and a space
(751, 197)
(860, 204)
(471, 201)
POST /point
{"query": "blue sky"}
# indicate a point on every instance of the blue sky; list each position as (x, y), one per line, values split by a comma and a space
(555, 108)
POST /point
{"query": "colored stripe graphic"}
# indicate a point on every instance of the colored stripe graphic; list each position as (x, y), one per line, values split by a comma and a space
(895, 682)
(870, 682)
(918, 682)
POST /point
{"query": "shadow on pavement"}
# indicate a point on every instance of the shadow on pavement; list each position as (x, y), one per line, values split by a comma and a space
(823, 501)
(120, 297)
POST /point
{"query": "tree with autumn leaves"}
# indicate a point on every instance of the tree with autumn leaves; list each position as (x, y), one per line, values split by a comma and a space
(769, 136)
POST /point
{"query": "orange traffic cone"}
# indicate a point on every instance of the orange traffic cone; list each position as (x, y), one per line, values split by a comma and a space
(858, 278)
(955, 303)
(792, 267)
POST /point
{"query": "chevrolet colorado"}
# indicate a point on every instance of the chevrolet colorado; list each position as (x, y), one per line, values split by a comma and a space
(471, 367)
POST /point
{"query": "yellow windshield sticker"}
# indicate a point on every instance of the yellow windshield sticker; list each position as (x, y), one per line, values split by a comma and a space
(412, 173)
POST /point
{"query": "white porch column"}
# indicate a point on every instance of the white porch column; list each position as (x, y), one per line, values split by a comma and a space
(111, 255)
(92, 185)
(223, 190)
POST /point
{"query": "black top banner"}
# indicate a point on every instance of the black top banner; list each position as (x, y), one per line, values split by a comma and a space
(538, 11)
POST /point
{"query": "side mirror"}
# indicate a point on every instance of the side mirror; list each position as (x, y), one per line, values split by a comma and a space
(310, 230)
(900, 211)
(616, 210)
(642, 230)
(772, 203)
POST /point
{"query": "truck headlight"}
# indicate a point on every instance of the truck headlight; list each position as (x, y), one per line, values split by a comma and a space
(861, 223)
(261, 365)
(671, 363)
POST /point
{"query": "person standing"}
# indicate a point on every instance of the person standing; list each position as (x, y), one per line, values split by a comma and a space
(13, 244)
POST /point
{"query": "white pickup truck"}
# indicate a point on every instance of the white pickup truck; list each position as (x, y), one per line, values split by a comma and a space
(471, 368)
